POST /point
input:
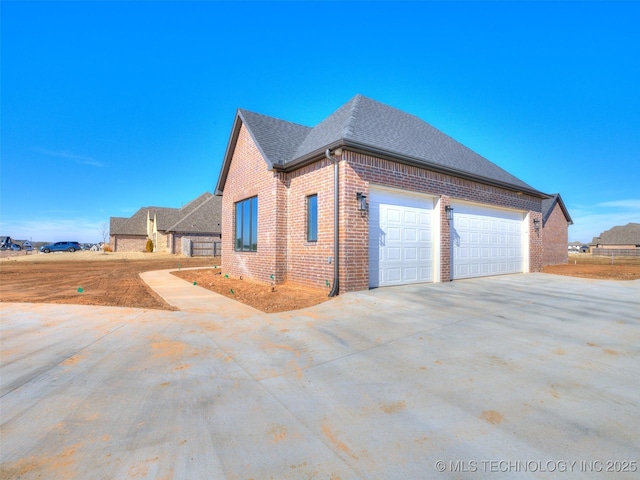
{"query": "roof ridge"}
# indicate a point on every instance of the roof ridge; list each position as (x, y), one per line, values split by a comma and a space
(182, 219)
(243, 110)
(350, 126)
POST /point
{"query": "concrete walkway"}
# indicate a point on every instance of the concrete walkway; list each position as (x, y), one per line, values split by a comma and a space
(522, 376)
(191, 298)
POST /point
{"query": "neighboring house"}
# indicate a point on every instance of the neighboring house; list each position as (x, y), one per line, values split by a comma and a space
(555, 223)
(167, 227)
(620, 237)
(577, 247)
(399, 179)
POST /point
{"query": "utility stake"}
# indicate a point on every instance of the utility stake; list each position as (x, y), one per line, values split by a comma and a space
(178, 267)
(195, 283)
(80, 290)
(327, 282)
(232, 292)
(226, 275)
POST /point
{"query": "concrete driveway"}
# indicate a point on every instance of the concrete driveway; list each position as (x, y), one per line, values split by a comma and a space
(523, 376)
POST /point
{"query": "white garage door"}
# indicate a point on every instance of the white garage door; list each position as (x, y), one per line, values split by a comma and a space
(486, 241)
(400, 243)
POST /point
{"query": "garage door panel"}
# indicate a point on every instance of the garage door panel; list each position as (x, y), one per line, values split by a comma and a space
(425, 253)
(404, 222)
(410, 235)
(393, 234)
(486, 242)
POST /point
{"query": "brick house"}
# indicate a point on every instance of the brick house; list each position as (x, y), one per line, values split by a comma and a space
(555, 223)
(621, 237)
(167, 227)
(413, 205)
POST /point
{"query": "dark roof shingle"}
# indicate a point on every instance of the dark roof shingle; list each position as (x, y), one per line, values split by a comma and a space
(201, 215)
(628, 234)
(367, 125)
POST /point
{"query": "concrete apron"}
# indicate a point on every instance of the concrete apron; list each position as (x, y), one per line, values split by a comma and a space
(528, 375)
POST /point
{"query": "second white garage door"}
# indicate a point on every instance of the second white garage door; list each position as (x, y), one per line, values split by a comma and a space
(400, 238)
(486, 241)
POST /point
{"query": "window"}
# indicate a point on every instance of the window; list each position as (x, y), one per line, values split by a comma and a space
(247, 225)
(312, 218)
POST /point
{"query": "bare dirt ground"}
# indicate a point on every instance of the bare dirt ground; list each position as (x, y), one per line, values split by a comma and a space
(112, 279)
(109, 279)
(587, 266)
(280, 298)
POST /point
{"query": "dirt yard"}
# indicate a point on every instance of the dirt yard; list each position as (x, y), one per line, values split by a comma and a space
(280, 298)
(587, 266)
(111, 279)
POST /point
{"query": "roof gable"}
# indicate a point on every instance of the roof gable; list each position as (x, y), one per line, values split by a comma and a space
(548, 205)
(276, 139)
(368, 126)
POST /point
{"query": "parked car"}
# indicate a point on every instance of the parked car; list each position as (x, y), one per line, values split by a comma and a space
(61, 247)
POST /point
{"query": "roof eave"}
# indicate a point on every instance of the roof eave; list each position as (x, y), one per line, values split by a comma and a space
(404, 159)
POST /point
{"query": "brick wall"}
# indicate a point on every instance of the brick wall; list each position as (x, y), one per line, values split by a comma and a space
(282, 247)
(128, 243)
(555, 238)
(248, 177)
(367, 169)
(308, 262)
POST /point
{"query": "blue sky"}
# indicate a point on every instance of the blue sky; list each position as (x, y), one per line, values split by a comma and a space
(111, 106)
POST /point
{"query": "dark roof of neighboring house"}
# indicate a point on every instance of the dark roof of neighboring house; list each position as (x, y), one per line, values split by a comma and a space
(134, 225)
(628, 234)
(201, 215)
(548, 204)
(204, 217)
(116, 223)
(367, 126)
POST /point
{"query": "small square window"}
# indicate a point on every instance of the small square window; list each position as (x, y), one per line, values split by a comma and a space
(312, 218)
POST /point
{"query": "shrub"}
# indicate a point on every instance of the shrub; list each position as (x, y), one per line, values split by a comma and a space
(106, 248)
(149, 247)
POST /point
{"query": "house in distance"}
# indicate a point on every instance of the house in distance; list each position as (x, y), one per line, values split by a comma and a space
(198, 220)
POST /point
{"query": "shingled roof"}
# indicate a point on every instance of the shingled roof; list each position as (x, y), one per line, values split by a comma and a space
(205, 216)
(628, 234)
(201, 215)
(134, 225)
(367, 126)
(548, 205)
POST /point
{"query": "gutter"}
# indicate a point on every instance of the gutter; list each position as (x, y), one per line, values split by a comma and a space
(407, 160)
(336, 277)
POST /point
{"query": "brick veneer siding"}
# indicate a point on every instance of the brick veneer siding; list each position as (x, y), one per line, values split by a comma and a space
(308, 262)
(555, 238)
(367, 170)
(282, 247)
(128, 243)
(248, 177)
